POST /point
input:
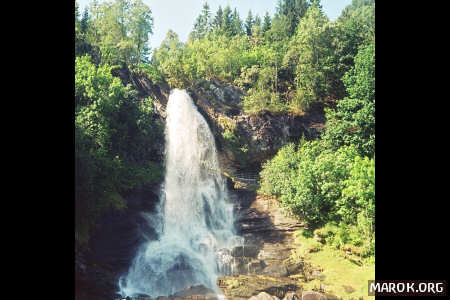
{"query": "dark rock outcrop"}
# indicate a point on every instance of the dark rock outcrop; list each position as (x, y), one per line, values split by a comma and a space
(112, 246)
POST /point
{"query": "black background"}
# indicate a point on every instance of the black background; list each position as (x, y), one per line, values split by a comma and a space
(412, 185)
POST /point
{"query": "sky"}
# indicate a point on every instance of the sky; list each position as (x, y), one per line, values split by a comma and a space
(180, 15)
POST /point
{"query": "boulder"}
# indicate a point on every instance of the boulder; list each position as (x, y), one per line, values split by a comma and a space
(312, 295)
(196, 291)
(264, 296)
(246, 286)
(291, 296)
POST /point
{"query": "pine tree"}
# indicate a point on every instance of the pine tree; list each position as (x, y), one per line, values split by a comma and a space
(84, 21)
(203, 23)
(206, 15)
(257, 21)
(267, 22)
(292, 11)
(227, 26)
(249, 23)
(237, 22)
(217, 22)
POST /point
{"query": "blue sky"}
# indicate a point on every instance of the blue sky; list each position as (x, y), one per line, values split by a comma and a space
(180, 15)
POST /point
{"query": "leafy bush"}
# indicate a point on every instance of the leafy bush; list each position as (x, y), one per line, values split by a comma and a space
(308, 181)
(333, 189)
(353, 120)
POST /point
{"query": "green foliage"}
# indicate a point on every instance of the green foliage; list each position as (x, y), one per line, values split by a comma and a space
(321, 185)
(364, 11)
(360, 80)
(277, 172)
(357, 205)
(262, 93)
(308, 181)
(267, 22)
(215, 56)
(114, 136)
(310, 58)
(233, 140)
(249, 23)
(353, 120)
(151, 71)
(120, 29)
(352, 123)
(292, 11)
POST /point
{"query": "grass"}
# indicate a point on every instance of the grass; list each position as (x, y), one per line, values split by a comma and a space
(338, 270)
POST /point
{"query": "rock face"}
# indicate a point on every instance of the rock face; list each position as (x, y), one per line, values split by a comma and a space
(112, 246)
(269, 236)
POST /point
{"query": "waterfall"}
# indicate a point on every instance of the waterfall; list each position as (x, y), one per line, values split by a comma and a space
(197, 219)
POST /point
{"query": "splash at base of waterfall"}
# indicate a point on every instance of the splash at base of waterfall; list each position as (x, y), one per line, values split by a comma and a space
(194, 220)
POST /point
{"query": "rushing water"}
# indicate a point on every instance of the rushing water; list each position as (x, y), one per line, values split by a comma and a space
(197, 233)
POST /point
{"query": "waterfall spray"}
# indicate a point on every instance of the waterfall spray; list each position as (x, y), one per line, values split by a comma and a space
(197, 220)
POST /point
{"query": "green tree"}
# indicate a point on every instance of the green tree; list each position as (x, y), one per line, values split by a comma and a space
(84, 21)
(357, 205)
(309, 181)
(353, 120)
(121, 29)
(267, 22)
(291, 11)
(217, 21)
(203, 23)
(227, 23)
(360, 80)
(249, 23)
(310, 58)
(141, 24)
(257, 21)
(168, 59)
(237, 23)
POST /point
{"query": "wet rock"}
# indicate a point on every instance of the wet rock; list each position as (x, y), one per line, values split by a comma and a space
(196, 291)
(311, 295)
(247, 251)
(264, 296)
(276, 269)
(293, 267)
(142, 297)
(246, 286)
(291, 296)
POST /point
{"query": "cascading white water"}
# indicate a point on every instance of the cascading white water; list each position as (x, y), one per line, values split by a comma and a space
(197, 233)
